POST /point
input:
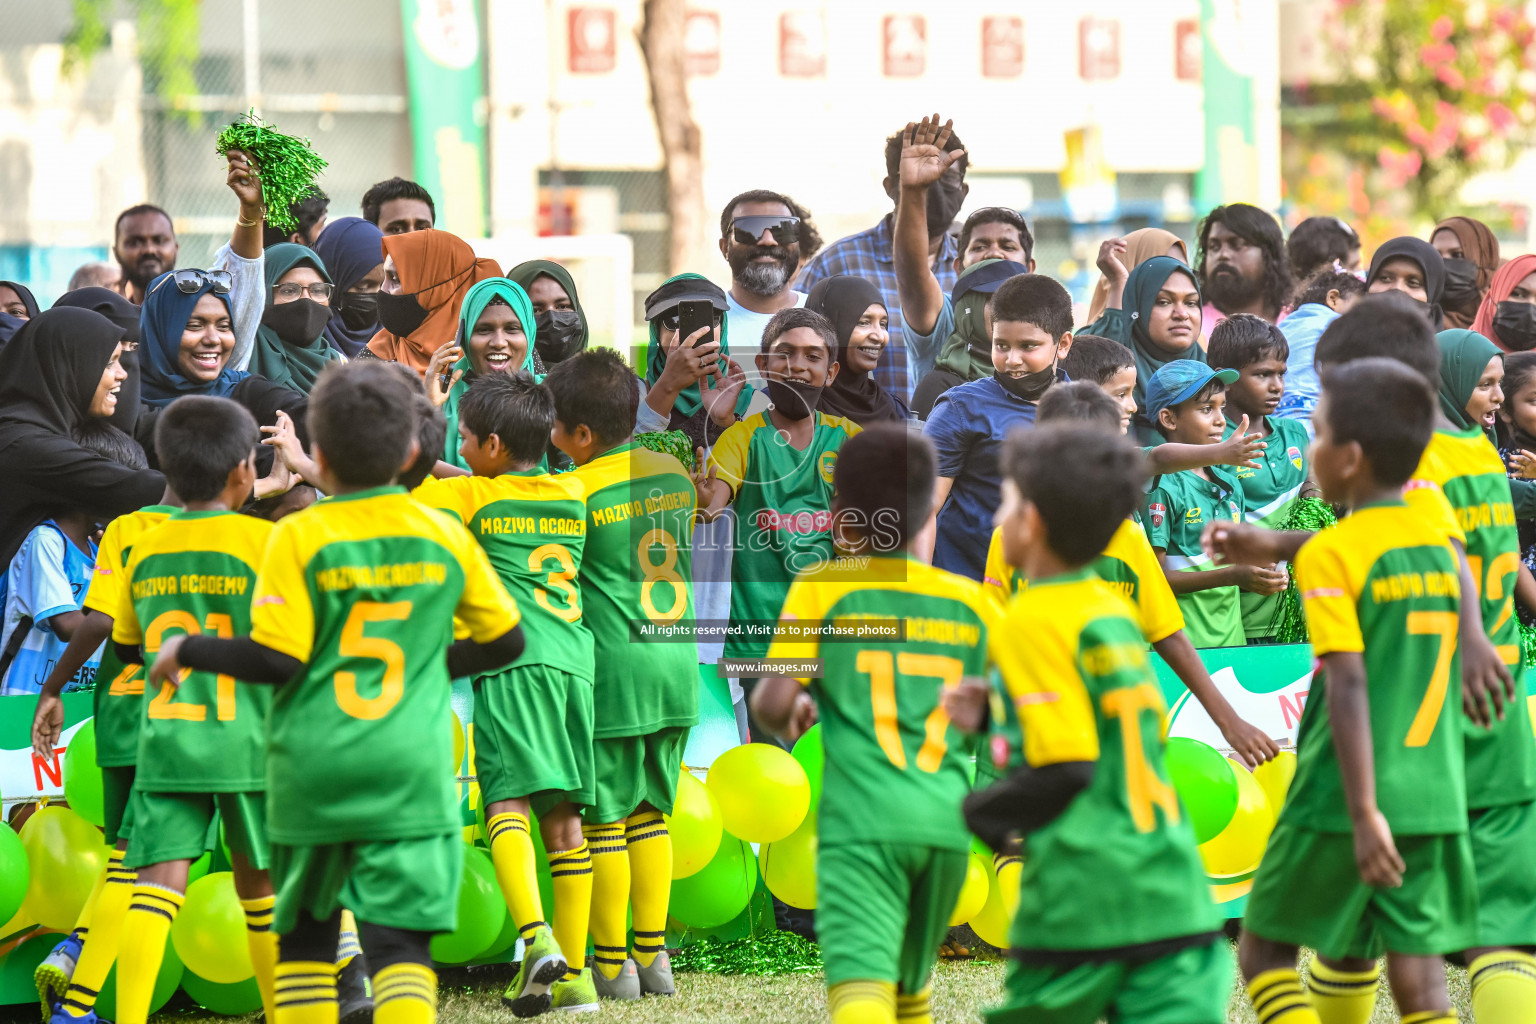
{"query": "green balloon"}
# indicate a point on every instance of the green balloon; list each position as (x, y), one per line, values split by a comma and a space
(15, 873)
(482, 912)
(16, 967)
(82, 778)
(166, 984)
(1206, 785)
(808, 751)
(228, 1000)
(199, 868)
(720, 890)
(503, 943)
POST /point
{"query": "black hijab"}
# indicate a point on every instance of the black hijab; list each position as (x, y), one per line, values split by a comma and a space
(125, 315)
(1428, 258)
(25, 294)
(843, 299)
(48, 375)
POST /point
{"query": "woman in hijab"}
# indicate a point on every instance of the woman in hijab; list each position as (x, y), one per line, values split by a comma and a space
(1507, 315)
(558, 316)
(436, 270)
(1471, 255)
(1471, 370)
(1134, 250)
(701, 391)
(291, 346)
(124, 314)
(967, 354)
(858, 315)
(17, 300)
(495, 336)
(1160, 323)
(1413, 267)
(59, 371)
(352, 250)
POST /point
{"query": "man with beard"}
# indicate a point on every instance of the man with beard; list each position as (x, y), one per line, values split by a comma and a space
(871, 255)
(760, 234)
(1241, 265)
(144, 244)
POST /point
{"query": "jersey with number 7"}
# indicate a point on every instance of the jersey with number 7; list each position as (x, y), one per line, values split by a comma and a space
(896, 769)
(1385, 584)
(364, 588)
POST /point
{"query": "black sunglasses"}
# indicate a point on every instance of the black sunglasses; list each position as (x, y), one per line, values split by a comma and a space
(747, 230)
(190, 281)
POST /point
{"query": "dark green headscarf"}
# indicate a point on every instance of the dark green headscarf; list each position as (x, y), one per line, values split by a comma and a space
(688, 401)
(292, 366)
(1140, 296)
(479, 296)
(1464, 355)
(525, 273)
(968, 350)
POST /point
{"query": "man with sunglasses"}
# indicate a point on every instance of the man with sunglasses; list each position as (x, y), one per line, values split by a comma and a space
(760, 238)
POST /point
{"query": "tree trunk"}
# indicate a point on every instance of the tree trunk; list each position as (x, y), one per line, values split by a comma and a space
(661, 41)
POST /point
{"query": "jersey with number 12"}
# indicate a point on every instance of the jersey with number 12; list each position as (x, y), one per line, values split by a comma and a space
(364, 589)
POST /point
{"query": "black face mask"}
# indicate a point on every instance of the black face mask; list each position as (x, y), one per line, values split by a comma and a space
(944, 204)
(557, 335)
(1030, 386)
(400, 315)
(358, 310)
(298, 322)
(1515, 324)
(1461, 292)
(794, 399)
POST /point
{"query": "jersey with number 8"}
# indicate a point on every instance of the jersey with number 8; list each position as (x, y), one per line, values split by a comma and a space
(1385, 583)
(896, 769)
(195, 573)
(363, 589)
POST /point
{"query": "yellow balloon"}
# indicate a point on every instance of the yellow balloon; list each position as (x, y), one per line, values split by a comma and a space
(762, 792)
(973, 894)
(1240, 845)
(789, 866)
(1274, 778)
(991, 925)
(693, 825)
(66, 856)
(209, 932)
(458, 742)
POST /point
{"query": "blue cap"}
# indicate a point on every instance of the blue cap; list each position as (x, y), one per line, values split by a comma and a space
(986, 277)
(1175, 382)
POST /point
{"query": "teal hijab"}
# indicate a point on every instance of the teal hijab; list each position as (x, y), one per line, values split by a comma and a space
(1140, 297)
(1464, 355)
(689, 401)
(480, 295)
(293, 366)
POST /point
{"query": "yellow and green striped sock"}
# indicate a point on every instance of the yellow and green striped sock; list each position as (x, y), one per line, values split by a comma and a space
(100, 951)
(405, 994)
(650, 882)
(512, 855)
(1340, 996)
(610, 896)
(862, 1002)
(571, 873)
(1504, 987)
(916, 1008)
(1278, 998)
(145, 928)
(262, 941)
(304, 992)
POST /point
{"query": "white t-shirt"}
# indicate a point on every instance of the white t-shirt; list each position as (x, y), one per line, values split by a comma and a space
(745, 333)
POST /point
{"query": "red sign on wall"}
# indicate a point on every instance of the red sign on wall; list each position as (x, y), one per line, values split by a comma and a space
(1002, 47)
(904, 45)
(802, 44)
(1098, 49)
(701, 42)
(592, 37)
(1186, 50)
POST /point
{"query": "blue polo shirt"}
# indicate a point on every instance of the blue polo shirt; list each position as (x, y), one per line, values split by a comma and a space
(967, 428)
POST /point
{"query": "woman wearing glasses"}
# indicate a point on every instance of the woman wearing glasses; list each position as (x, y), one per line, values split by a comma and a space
(291, 346)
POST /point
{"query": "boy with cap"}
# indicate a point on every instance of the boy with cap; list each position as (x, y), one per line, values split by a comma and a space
(1186, 400)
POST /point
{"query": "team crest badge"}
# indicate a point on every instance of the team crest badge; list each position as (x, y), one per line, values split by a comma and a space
(1294, 454)
(825, 464)
(1157, 512)
(1236, 515)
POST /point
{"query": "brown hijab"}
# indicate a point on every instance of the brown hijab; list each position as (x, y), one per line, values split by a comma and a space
(437, 268)
(1482, 248)
(1140, 246)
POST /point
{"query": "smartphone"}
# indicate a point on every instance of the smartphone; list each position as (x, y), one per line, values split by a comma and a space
(694, 314)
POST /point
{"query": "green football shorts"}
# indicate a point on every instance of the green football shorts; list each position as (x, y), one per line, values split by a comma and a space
(1308, 892)
(635, 770)
(1504, 853)
(883, 908)
(116, 803)
(177, 826)
(1190, 986)
(533, 737)
(397, 883)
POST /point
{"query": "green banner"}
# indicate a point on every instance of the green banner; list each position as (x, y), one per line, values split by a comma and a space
(1230, 171)
(447, 86)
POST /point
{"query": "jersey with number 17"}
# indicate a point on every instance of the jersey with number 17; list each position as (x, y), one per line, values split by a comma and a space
(636, 574)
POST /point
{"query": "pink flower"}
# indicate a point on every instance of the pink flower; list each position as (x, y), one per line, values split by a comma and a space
(1442, 28)
(1441, 53)
(1451, 77)
(1417, 134)
(1500, 118)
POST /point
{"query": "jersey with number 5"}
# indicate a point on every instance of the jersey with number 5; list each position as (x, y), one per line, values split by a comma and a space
(896, 768)
(1385, 584)
(1118, 867)
(636, 580)
(532, 526)
(364, 589)
(195, 573)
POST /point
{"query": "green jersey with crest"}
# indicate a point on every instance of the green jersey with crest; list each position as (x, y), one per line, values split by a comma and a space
(1179, 506)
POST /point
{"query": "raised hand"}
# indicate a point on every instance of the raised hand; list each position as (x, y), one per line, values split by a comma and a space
(441, 362)
(1111, 261)
(1240, 449)
(923, 159)
(244, 180)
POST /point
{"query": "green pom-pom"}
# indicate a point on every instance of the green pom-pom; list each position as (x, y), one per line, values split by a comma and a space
(1528, 643)
(669, 442)
(288, 165)
(1290, 623)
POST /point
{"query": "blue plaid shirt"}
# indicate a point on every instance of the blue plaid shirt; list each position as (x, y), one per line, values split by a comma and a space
(871, 255)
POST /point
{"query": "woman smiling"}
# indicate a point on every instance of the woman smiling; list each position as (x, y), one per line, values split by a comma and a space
(497, 321)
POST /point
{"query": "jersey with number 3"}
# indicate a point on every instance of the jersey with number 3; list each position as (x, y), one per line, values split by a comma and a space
(636, 575)
(1385, 584)
(896, 769)
(1118, 867)
(195, 573)
(364, 589)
